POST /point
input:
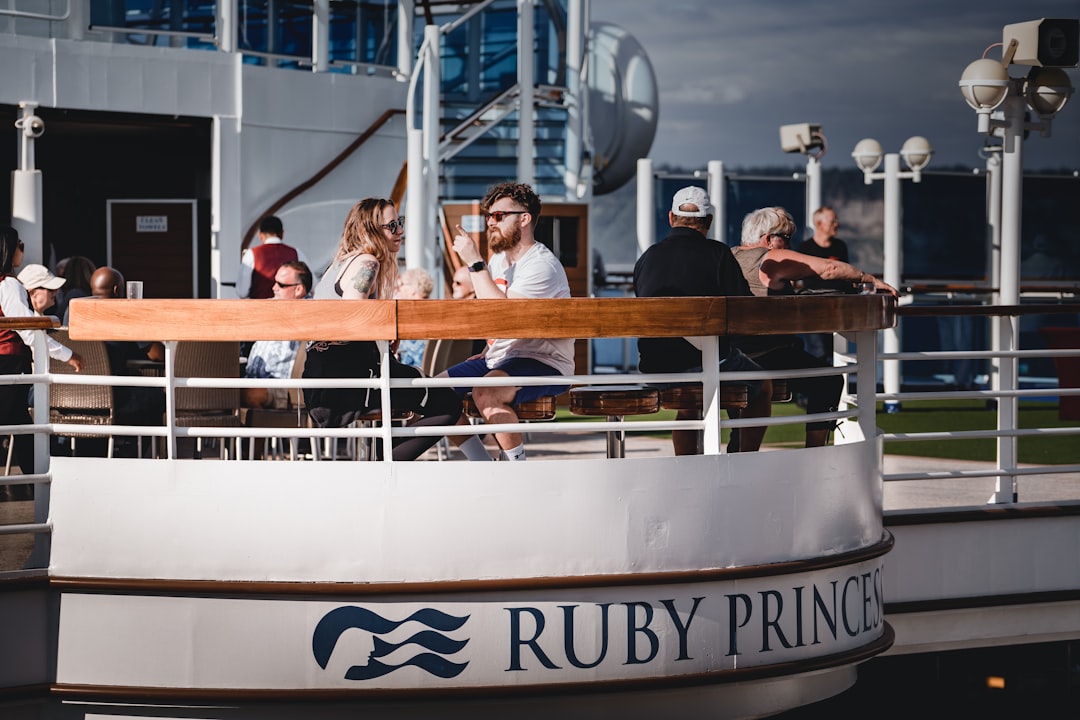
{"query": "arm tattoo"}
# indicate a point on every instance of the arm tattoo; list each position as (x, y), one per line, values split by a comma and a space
(364, 279)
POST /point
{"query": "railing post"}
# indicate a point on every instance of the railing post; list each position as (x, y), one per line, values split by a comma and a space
(710, 392)
(170, 399)
(893, 261)
(386, 428)
(866, 379)
(39, 557)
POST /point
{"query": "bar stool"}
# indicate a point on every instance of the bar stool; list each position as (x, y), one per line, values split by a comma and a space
(780, 391)
(733, 396)
(614, 402)
(542, 408)
(688, 399)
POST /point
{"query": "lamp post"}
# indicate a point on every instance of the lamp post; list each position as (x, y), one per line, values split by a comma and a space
(1046, 45)
(916, 153)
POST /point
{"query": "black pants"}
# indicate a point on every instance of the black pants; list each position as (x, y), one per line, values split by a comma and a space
(14, 403)
(822, 393)
(339, 407)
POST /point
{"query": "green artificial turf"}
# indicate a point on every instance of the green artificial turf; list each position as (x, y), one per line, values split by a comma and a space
(955, 415)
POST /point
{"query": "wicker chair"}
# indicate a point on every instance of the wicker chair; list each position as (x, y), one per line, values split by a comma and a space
(82, 404)
(208, 407)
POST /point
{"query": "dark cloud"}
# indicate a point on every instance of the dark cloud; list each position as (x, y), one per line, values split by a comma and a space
(730, 73)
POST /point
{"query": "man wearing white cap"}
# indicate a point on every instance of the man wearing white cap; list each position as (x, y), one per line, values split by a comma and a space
(687, 264)
(41, 286)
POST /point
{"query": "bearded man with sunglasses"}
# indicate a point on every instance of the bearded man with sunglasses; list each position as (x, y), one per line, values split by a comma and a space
(520, 267)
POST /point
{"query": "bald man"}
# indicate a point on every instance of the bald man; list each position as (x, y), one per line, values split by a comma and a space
(107, 283)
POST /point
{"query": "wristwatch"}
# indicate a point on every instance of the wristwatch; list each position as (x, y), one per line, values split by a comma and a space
(477, 266)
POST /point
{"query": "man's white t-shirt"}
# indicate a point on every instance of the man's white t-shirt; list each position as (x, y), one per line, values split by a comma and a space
(536, 274)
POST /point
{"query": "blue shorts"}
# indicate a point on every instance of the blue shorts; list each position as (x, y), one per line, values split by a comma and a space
(514, 367)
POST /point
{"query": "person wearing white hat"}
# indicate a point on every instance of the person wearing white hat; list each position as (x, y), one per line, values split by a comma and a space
(41, 285)
(687, 263)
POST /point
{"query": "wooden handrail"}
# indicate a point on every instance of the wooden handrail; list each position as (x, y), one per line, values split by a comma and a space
(230, 320)
(47, 322)
(990, 310)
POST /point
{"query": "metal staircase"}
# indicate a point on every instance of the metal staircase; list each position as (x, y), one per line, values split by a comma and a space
(480, 100)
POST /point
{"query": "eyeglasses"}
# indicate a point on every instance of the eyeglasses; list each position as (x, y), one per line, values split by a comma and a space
(285, 285)
(395, 226)
(498, 215)
(782, 236)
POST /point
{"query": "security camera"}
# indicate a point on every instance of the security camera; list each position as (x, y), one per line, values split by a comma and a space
(32, 127)
(801, 138)
(1049, 42)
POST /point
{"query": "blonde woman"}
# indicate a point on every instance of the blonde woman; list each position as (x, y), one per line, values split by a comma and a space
(365, 268)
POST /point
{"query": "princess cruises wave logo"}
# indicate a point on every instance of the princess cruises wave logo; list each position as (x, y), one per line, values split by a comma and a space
(429, 647)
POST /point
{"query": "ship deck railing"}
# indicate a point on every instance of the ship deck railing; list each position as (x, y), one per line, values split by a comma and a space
(126, 320)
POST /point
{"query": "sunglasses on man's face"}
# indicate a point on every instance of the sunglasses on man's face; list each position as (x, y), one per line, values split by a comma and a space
(499, 215)
(285, 285)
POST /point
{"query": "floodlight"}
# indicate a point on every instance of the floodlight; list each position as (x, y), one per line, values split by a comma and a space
(1046, 90)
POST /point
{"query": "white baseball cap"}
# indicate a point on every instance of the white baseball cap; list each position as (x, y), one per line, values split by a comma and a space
(38, 276)
(692, 195)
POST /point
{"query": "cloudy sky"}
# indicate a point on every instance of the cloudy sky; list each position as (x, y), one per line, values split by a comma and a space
(731, 72)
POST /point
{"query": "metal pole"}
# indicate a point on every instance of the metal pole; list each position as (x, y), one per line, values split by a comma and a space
(26, 193)
(406, 12)
(320, 35)
(1012, 180)
(526, 168)
(423, 176)
(646, 200)
(226, 26)
(893, 260)
(39, 557)
(710, 393)
(993, 221)
(813, 189)
(575, 51)
(717, 195)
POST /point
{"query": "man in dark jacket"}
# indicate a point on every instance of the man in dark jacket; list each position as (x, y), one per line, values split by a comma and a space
(688, 264)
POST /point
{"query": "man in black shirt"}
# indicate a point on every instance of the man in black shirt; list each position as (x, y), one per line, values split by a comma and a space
(824, 244)
(688, 264)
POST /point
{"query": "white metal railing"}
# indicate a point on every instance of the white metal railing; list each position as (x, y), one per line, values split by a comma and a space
(1003, 394)
(169, 382)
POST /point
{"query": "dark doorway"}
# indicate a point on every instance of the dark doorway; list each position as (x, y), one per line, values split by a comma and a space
(87, 158)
